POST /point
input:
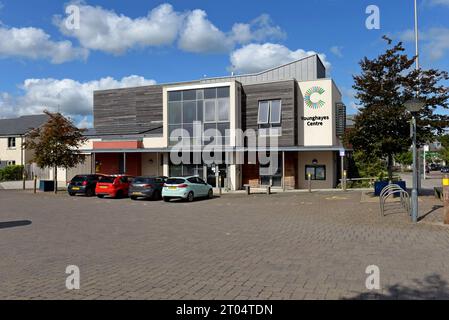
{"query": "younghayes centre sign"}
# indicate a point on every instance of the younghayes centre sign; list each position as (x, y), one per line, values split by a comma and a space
(315, 120)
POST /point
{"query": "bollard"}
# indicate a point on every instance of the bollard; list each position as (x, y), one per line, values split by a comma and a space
(35, 184)
(446, 199)
(24, 177)
(309, 177)
(345, 175)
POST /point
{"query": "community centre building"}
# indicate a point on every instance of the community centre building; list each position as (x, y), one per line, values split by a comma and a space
(294, 103)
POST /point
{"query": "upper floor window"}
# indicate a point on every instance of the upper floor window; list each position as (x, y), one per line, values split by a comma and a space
(210, 107)
(11, 142)
(270, 117)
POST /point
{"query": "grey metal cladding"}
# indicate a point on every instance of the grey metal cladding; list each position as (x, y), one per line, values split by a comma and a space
(284, 90)
(308, 68)
(128, 111)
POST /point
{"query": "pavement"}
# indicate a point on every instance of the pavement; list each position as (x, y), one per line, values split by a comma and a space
(283, 246)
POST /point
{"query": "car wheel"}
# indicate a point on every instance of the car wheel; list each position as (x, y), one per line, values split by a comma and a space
(72, 194)
(167, 199)
(119, 194)
(133, 198)
(156, 195)
(190, 197)
(100, 196)
(210, 195)
(90, 192)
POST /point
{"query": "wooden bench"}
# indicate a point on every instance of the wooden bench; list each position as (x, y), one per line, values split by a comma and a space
(264, 187)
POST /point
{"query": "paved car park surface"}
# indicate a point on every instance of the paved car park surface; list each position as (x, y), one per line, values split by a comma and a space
(283, 246)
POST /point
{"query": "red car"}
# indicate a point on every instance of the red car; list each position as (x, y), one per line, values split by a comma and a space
(116, 186)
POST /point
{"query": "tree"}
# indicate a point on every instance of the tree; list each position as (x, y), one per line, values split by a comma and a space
(404, 158)
(382, 126)
(444, 152)
(56, 144)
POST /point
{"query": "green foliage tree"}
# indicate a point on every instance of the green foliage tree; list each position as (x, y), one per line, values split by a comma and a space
(382, 126)
(56, 144)
(444, 152)
(405, 158)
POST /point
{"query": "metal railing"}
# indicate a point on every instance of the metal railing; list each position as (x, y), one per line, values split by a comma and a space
(391, 190)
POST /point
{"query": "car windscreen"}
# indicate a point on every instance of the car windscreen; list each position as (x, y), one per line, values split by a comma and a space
(79, 179)
(142, 181)
(175, 181)
(106, 179)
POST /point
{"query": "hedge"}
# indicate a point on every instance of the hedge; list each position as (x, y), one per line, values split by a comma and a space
(11, 173)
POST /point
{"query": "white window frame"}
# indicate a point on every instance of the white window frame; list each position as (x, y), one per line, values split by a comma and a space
(15, 142)
(269, 120)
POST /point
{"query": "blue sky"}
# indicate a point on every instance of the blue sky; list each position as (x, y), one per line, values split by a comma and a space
(44, 63)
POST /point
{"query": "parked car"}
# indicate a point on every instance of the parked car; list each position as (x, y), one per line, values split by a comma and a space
(435, 167)
(445, 170)
(115, 186)
(187, 189)
(83, 184)
(147, 188)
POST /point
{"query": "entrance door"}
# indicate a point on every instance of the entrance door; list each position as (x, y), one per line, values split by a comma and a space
(271, 173)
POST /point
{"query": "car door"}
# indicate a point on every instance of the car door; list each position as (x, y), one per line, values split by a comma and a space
(203, 187)
(194, 187)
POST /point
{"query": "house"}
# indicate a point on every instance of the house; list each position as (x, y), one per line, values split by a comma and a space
(291, 115)
(12, 136)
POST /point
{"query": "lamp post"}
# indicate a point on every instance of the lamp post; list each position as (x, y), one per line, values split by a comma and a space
(414, 106)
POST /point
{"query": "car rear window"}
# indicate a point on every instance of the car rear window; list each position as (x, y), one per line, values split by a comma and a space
(142, 180)
(107, 179)
(79, 179)
(175, 181)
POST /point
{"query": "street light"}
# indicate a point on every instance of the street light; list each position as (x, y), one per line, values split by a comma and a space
(414, 106)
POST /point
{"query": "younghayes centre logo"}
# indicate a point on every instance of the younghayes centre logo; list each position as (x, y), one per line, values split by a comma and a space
(311, 100)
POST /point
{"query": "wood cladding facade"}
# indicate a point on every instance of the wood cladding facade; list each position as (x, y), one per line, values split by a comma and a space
(286, 92)
(128, 111)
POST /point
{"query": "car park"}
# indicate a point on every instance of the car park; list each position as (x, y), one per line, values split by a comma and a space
(187, 189)
(147, 188)
(114, 186)
(84, 184)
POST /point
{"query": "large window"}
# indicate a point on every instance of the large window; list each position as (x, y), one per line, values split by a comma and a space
(270, 117)
(11, 143)
(209, 107)
(316, 172)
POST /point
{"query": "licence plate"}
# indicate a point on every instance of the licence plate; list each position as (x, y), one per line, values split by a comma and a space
(172, 188)
(137, 193)
(103, 187)
(75, 188)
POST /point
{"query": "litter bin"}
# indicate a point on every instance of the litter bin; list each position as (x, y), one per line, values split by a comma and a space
(47, 185)
(380, 185)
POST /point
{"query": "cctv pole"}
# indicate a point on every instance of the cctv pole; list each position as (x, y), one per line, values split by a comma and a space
(415, 173)
(417, 166)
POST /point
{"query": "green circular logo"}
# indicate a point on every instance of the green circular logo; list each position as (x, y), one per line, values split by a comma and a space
(314, 104)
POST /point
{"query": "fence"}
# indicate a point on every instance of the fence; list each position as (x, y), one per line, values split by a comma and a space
(33, 170)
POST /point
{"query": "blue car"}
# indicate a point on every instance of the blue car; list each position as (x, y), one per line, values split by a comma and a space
(187, 189)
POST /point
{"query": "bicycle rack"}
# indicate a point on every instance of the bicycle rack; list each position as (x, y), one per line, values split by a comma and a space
(391, 190)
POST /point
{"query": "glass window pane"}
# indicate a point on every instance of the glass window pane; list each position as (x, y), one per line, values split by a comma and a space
(223, 127)
(174, 112)
(199, 94)
(189, 95)
(199, 110)
(320, 173)
(310, 170)
(209, 111)
(264, 107)
(174, 96)
(275, 111)
(210, 93)
(189, 129)
(189, 112)
(223, 92)
(223, 110)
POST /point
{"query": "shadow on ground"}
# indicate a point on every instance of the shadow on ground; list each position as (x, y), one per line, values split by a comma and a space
(14, 224)
(433, 287)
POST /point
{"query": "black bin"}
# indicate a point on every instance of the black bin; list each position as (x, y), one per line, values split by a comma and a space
(47, 185)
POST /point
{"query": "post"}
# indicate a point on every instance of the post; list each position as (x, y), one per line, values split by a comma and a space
(124, 162)
(344, 180)
(446, 199)
(283, 171)
(415, 174)
(309, 178)
(35, 183)
(425, 164)
(56, 180)
(24, 176)
(342, 156)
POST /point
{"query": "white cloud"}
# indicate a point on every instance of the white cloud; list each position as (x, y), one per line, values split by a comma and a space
(105, 30)
(439, 2)
(85, 123)
(33, 43)
(200, 35)
(337, 51)
(70, 97)
(434, 41)
(258, 57)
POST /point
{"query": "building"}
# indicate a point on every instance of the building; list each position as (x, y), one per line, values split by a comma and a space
(294, 107)
(12, 136)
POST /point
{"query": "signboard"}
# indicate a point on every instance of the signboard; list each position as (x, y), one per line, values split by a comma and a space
(426, 149)
(342, 153)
